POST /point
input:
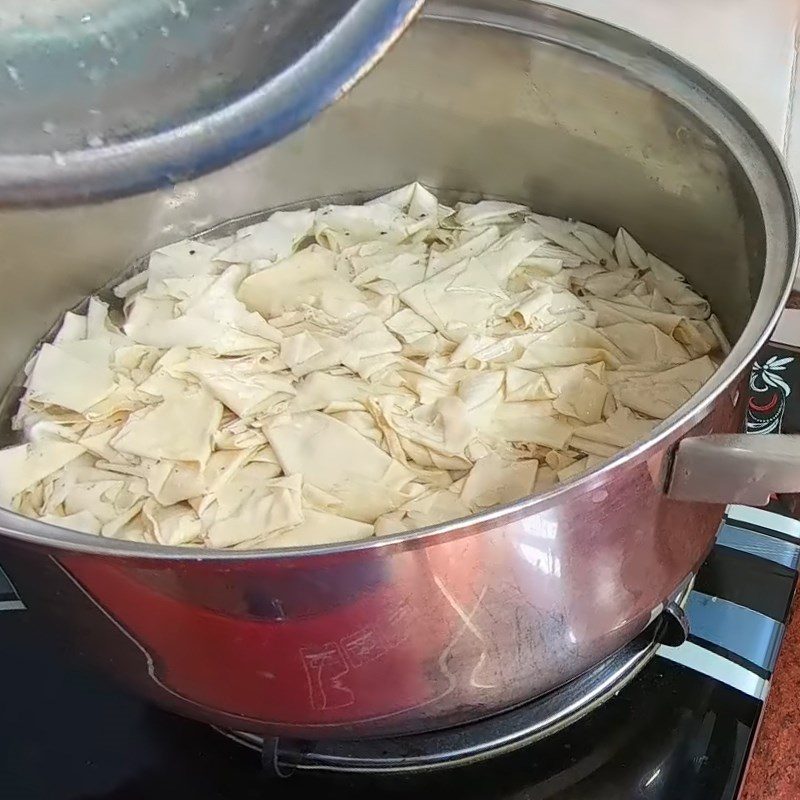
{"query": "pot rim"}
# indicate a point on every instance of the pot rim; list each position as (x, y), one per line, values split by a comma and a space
(682, 82)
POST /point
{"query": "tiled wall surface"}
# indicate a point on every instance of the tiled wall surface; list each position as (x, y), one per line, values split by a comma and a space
(749, 46)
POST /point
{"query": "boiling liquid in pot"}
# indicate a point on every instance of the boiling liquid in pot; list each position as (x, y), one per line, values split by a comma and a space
(355, 371)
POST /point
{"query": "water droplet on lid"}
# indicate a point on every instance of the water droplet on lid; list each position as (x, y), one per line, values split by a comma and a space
(13, 73)
(113, 61)
(164, 31)
(105, 41)
(86, 18)
(58, 158)
(182, 9)
(94, 141)
(49, 127)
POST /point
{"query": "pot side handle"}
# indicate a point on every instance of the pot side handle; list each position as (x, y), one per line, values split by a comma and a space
(734, 468)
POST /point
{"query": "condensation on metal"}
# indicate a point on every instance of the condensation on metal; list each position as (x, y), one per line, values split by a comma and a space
(104, 98)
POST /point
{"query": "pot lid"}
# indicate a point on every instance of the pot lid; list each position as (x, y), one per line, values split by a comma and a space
(103, 98)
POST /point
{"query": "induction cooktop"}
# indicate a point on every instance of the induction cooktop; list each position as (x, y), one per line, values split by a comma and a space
(683, 727)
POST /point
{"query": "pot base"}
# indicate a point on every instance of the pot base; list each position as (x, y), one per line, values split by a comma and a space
(473, 742)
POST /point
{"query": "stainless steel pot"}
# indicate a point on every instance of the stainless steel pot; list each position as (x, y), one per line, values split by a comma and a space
(506, 98)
